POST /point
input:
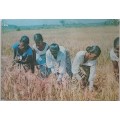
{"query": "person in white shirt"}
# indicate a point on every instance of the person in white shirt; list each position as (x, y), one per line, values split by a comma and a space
(114, 56)
(56, 60)
(40, 48)
(84, 66)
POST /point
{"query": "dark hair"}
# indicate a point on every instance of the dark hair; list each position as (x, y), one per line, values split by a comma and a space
(54, 47)
(38, 37)
(25, 40)
(116, 42)
(94, 49)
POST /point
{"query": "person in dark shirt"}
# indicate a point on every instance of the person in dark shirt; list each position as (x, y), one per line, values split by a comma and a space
(23, 54)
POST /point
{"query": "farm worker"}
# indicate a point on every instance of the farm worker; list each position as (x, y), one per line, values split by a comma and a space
(114, 56)
(40, 49)
(23, 54)
(84, 66)
(58, 60)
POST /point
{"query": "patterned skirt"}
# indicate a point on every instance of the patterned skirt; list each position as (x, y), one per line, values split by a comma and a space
(27, 67)
(84, 72)
(81, 79)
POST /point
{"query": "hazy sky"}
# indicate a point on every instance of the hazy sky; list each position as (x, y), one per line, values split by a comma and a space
(27, 22)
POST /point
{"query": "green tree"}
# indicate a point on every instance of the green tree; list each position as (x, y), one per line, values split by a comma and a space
(62, 22)
(4, 25)
(18, 29)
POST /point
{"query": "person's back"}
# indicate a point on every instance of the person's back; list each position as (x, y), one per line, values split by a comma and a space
(68, 61)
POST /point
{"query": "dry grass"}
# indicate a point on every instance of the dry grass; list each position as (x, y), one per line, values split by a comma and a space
(18, 85)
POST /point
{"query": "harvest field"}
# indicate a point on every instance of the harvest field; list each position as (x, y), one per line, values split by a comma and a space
(17, 85)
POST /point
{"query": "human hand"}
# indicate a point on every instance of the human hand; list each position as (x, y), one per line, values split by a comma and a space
(59, 82)
(18, 58)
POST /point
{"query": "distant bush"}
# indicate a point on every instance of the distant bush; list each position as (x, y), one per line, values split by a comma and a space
(112, 22)
(18, 29)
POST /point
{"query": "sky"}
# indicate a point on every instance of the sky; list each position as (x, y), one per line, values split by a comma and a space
(28, 22)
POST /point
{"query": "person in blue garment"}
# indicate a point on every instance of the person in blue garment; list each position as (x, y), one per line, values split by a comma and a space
(40, 47)
(23, 54)
(114, 56)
